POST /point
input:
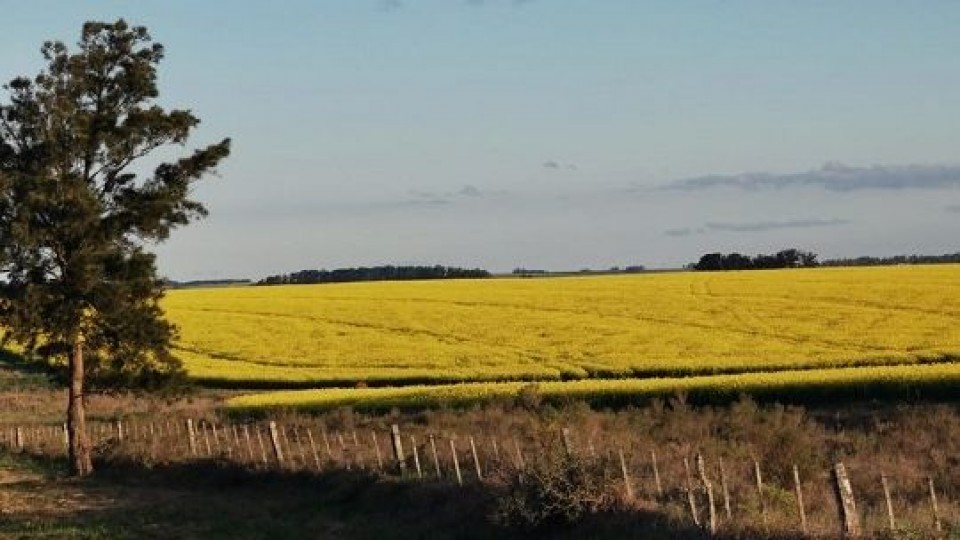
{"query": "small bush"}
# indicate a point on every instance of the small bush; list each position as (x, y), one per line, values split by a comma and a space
(556, 491)
(529, 397)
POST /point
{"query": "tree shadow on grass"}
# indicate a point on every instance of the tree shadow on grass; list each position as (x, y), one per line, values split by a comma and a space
(212, 499)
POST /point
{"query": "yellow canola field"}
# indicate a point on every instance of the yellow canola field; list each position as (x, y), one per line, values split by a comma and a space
(667, 324)
(863, 382)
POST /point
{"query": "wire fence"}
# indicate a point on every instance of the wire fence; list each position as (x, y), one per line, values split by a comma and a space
(715, 492)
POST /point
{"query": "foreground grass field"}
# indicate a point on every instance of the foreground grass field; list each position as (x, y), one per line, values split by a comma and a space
(149, 484)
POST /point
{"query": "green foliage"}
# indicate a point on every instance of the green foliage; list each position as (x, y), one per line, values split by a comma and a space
(76, 217)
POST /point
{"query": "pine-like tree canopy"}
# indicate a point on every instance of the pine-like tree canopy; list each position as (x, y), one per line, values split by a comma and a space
(77, 211)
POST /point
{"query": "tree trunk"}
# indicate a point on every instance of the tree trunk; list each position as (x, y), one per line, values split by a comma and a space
(79, 447)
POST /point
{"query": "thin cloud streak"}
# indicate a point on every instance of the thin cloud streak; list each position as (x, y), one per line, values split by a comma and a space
(757, 226)
(834, 177)
(479, 3)
(556, 165)
(685, 231)
(437, 198)
(763, 226)
(390, 5)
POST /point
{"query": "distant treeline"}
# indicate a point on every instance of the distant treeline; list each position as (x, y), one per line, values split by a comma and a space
(204, 283)
(527, 272)
(897, 259)
(795, 258)
(375, 273)
(788, 258)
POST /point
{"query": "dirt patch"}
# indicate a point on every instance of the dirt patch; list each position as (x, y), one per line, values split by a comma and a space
(23, 492)
(13, 476)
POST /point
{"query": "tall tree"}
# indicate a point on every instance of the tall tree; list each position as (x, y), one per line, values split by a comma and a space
(79, 211)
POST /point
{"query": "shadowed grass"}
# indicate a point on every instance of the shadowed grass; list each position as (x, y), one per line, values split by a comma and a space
(212, 500)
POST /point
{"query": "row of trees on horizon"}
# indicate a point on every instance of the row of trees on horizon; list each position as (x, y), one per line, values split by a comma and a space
(787, 258)
(374, 273)
(795, 258)
(897, 259)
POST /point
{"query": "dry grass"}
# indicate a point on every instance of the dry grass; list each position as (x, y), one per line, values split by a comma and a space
(907, 442)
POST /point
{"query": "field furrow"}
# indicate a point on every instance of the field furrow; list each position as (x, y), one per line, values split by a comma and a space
(612, 327)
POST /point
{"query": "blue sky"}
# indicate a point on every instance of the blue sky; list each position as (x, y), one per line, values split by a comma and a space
(557, 134)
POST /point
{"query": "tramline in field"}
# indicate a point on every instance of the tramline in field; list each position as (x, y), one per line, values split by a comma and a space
(666, 325)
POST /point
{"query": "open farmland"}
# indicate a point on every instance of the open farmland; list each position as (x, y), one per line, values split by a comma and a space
(939, 380)
(613, 327)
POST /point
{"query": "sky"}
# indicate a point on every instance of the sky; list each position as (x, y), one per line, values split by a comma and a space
(547, 134)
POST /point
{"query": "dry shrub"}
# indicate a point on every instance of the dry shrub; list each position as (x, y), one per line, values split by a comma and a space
(555, 491)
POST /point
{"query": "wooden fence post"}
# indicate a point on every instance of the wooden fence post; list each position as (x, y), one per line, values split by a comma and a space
(937, 525)
(849, 520)
(20, 439)
(152, 444)
(191, 437)
(656, 473)
(326, 443)
(343, 451)
(313, 449)
(799, 492)
(376, 447)
(416, 456)
(398, 449)
(567, 441)
(275, 441)
(886, 497)
(263, 447)
(236, 440)
(248, 442)
(476, 458)
(206, 438)
(66, 436)
(216, 438)
(456, 461)
(726, 490)
(436, 458)
(691, 500)
(711, 524)
(356, 450)
(759, 480)
(627, 485)
(119, 428)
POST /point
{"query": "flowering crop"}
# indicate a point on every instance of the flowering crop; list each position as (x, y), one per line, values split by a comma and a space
(871, 382)
(647, 325)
